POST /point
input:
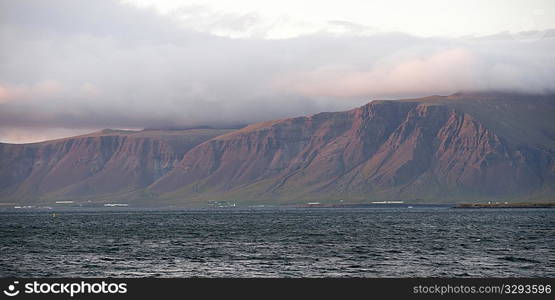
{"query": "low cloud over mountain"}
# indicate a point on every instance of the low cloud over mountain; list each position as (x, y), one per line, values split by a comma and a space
(95, 64)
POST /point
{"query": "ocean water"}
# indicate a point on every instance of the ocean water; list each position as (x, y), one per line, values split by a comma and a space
(323, 242)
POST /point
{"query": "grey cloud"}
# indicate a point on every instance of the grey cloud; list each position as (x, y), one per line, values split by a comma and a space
(97, 64)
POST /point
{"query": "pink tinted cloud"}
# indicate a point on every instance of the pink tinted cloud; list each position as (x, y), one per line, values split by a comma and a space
(443, 71)
(41, 90)
(22, 135)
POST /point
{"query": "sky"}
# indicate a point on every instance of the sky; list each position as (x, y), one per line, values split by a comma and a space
(69, 67)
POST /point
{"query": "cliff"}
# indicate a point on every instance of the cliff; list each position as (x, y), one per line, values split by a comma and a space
(465, 147)
(109, 162)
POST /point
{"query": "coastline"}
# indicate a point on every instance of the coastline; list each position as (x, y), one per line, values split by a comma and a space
(507, 205)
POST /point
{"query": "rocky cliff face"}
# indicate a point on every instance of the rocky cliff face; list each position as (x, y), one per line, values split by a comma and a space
(103, 163)
(464, 147)
(432, 149)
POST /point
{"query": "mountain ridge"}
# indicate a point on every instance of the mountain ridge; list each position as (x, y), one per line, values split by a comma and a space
(464, 147)
(102, 162)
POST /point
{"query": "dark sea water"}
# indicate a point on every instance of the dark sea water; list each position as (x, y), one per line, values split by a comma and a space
(366, 242)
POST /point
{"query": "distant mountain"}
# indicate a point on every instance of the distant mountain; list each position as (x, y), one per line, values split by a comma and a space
(464, 147)
(467, 147)
(100, 165)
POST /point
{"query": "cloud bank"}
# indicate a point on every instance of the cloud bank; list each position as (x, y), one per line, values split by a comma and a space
(80, 65)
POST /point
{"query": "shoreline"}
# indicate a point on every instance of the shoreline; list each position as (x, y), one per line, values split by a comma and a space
(507, 205)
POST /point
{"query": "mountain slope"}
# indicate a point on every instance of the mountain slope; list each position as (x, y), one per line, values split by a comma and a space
(467, 147)
(109, 162)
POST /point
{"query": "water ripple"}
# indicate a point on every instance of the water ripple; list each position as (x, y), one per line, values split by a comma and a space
(280, 243)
